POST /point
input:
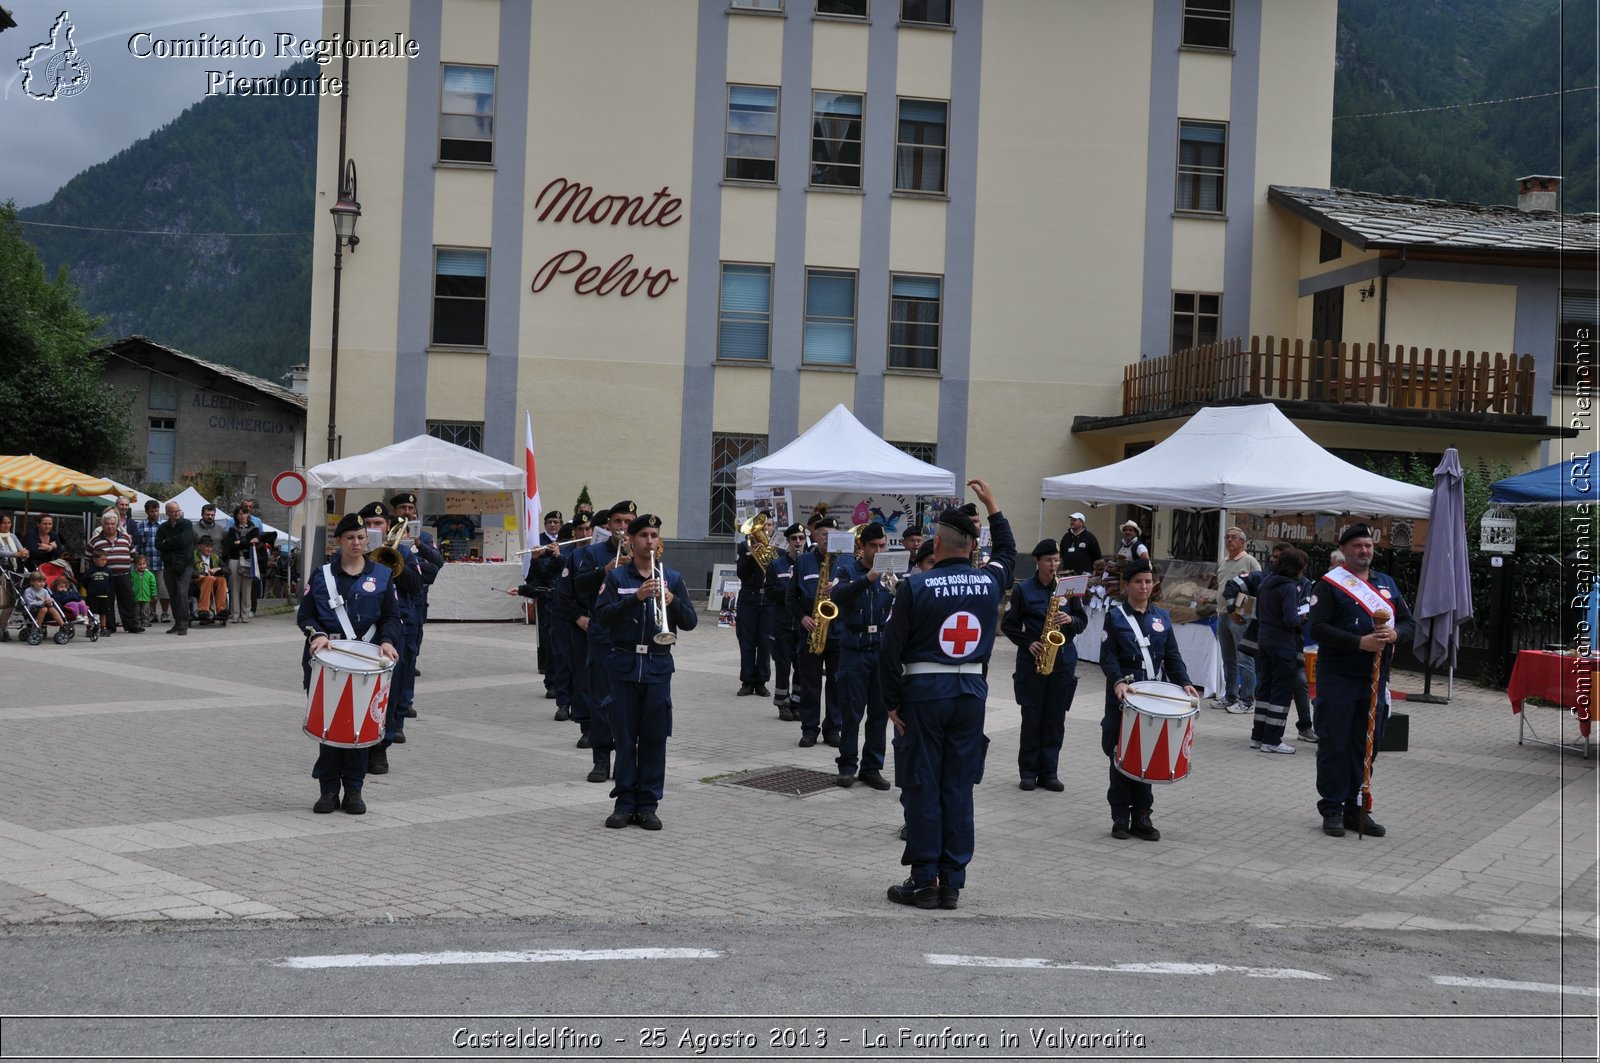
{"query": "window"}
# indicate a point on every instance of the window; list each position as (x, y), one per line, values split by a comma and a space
(914, 321)
(927, 12)
(755, 5)
(750, 145)
(835, 140)
(161, 450)
(842, 8)
(1194, 319)
(920, 146)
(744, 318)
(460, 297)
(1202, 157)
(163, 391)
(830, 317)
(1208, 23)
(921, 451)
(729, 450)
(1575, 342)
(467, 434)
(466, 114)
(1330, 248)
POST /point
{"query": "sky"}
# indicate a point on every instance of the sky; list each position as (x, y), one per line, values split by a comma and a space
(45, 143)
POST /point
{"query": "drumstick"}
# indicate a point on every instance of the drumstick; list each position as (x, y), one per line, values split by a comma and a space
(1380, 618)
(1191, 702)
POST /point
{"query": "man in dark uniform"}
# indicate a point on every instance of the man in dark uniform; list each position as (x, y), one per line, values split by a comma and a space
(1342, 622)
(751, 624)
(572, 673)
(863, 603)
(1045, 699)
(939, 637)
(911, 541)
(811, 668)
(375, 517)
(640, 659)
(421, 553)
(543, 568)
(364, 591)
(1079, 548)
(593, 563)
(785, 632)
(1138, 643)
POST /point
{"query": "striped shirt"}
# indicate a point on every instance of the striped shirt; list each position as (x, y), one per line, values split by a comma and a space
(118, 548)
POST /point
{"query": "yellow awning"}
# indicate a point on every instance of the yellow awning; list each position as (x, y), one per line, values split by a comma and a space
(26, 473)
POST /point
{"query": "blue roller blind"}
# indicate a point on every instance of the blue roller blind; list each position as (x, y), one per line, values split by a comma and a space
(463, 263)
(469, 80)
(923, 111)
(917, 287)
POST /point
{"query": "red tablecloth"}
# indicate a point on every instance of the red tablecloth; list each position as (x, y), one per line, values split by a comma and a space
(1556, 678)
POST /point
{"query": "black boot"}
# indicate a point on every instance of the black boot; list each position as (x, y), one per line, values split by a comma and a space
(1141, 827)
(353, 803)
(327, 802)
(378, 759)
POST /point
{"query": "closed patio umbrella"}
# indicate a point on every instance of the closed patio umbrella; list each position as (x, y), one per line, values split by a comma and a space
(1444, 590)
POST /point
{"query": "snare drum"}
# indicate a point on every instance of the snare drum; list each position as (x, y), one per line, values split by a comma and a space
(1157, 732)
(349, 695)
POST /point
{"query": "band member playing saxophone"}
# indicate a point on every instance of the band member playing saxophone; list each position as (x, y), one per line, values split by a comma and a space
(811, 667)
(1041, 623)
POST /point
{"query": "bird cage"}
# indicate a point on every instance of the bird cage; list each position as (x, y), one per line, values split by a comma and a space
(1497, 531)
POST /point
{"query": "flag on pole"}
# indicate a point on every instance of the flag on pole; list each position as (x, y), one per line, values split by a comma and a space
(531, 513)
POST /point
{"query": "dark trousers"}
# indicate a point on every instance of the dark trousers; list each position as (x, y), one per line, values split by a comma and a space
(335, 764)
(600, 695)
(944, 750)
(753, 626)
(403, 687)
(127, 612)
(861, 697)
(177, 584)
(543, 626)
(1302, 696)
(578, 675)
(817, 676)
(1045, 701)
(1124, 794)
(558, 677)
(641, 721)
(1275, 681)
(1341, 723)
(783, 646)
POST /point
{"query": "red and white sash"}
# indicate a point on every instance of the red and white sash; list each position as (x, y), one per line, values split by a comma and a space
(1364, 593)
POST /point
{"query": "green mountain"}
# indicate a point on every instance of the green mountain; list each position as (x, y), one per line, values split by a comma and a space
(228, 179)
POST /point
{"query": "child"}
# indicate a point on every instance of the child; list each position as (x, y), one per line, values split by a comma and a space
(97, 589)
(144, 590)
(68, 599)
(36, 600)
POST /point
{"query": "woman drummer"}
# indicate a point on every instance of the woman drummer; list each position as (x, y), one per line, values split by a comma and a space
(1138, 645)
(364, 589)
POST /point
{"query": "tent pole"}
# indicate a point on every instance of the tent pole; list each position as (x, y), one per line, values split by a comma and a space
(1041, 520)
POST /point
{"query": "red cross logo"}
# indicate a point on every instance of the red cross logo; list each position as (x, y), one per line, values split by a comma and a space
(960, 634)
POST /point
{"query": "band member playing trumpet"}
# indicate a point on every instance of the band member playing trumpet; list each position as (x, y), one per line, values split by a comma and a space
(407, 581)
(864, 603)
(593, 563)
(419, 552)
(1041, 622)
(642, 605)
(751, 623)
(810, 668)
(785, 632)
(572, 672)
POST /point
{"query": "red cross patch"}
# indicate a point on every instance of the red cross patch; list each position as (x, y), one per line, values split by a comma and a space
(960, 634)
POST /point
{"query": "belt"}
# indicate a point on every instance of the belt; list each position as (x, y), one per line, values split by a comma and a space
(930, 667)
(862, 629)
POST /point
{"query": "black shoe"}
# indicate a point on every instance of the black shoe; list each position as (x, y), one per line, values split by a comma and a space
(182, 630)
(583, 741)
(831, 740)
(549, 695)
(845, 779)
(902, 832)
(908, 892)
(414, 673)
(398, 738)
(600, 773)
(353, 803)
(326, 803)
(173, 630)
(377, 761)
(1141, 827)
(1053, 784)
(875, 779)
(788, 715)
(949, 898)
(1333, 824)
(648, 820)
(1028, 784)
(807, 741)
(563, 714)
(618, 820)
(1119, 830)
(746, 690)
(410, 714)
(1364, 825)
(762, 691)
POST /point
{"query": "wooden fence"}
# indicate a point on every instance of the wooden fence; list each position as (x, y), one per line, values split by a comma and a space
(1397, 377)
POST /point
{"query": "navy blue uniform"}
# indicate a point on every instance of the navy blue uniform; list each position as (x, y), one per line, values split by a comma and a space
(429, 560)
(780, 574)
(1044, 699)
(1344, 688)
(589, 574)
(571, 607)
(413, 599)
(938, 640)
(752, 624)
(1279, 659)
(370, 603)
(863, 615)
(641, 682)
(810, 668)
(1120, 659)
(543, 572)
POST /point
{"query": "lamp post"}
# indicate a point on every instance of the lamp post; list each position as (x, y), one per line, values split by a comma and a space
(345, 213)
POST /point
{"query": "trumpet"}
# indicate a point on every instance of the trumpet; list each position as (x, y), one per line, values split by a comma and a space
(664, 635)
(761, 548)
(623, 552)
(388, 554)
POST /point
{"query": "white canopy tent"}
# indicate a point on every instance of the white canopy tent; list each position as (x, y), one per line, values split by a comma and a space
(192, 502)
(422, 462)
(839, 453)
(1249, 458)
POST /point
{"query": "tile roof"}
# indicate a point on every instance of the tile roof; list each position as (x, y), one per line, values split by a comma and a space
(1367, 220)
(238, 376)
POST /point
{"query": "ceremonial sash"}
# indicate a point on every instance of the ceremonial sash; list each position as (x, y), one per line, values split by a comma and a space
(1363, 593)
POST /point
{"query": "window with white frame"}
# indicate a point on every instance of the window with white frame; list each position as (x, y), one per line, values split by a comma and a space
(1194, 319)
(467, 434)
(830, 335)
(1202, 164)
(914, 318)
(466, 114)
(750, 145)
(835, 140)
(921, 137)
(925, 12)
(744, 316)
(460, 297)
(1208, 23)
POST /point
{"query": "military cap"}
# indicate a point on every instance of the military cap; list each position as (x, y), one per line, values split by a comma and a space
(641, 522)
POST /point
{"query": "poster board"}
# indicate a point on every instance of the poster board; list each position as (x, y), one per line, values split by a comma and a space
(722, 574)
(1188, 589)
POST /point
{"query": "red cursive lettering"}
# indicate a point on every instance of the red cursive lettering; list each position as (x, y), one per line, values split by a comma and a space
(622, 276)
(568, 200)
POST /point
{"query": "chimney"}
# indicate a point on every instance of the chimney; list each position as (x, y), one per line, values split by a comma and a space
(298, 379)
(1537, 192)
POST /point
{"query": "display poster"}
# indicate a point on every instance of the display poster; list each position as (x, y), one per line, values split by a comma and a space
(894, 512)
(479, 502)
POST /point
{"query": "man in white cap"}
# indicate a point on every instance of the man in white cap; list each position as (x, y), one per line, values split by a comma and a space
(1079, 548)
(1132, 547)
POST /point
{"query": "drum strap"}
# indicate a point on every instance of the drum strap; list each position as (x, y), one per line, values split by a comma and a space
(338, 607)
(1144, 643)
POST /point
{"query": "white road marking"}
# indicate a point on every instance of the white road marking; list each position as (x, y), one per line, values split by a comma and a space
(430, 959)
(1503, 983)
(946, 960)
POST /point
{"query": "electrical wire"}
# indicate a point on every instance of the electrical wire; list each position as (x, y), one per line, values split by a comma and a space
(1463, 106)
(142, 232)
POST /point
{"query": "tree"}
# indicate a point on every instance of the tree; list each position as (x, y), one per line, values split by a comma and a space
(52, 400)
(583, 499)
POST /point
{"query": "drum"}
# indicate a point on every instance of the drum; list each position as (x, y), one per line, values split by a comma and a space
(1311, 671)
(1157, 732)
(349, 694)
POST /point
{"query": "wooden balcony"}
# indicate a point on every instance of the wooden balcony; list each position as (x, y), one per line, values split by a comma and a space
(1345, 374)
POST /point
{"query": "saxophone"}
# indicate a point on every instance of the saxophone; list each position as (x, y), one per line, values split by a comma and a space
(1052, 638)
(823, 611)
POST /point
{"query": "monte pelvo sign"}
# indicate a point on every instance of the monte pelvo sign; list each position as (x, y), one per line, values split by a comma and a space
(567, 201)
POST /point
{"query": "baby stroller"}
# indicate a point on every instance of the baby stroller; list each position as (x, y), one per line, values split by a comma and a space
(34, 632)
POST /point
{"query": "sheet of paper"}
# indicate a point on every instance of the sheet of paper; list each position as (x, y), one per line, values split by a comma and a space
(894, 561)
(841, 542)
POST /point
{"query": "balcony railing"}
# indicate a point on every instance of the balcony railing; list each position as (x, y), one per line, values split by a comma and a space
(1284, 370)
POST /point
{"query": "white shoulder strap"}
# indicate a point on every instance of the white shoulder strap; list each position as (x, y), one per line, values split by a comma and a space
(1142, 639)
(338, 605)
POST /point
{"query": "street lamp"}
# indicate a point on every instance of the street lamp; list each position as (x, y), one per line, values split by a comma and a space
(345, 213)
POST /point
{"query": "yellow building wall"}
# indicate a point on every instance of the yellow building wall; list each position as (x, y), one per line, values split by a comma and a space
(839, 56)
(820, 391)
(742, 399)
(1452, 315)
